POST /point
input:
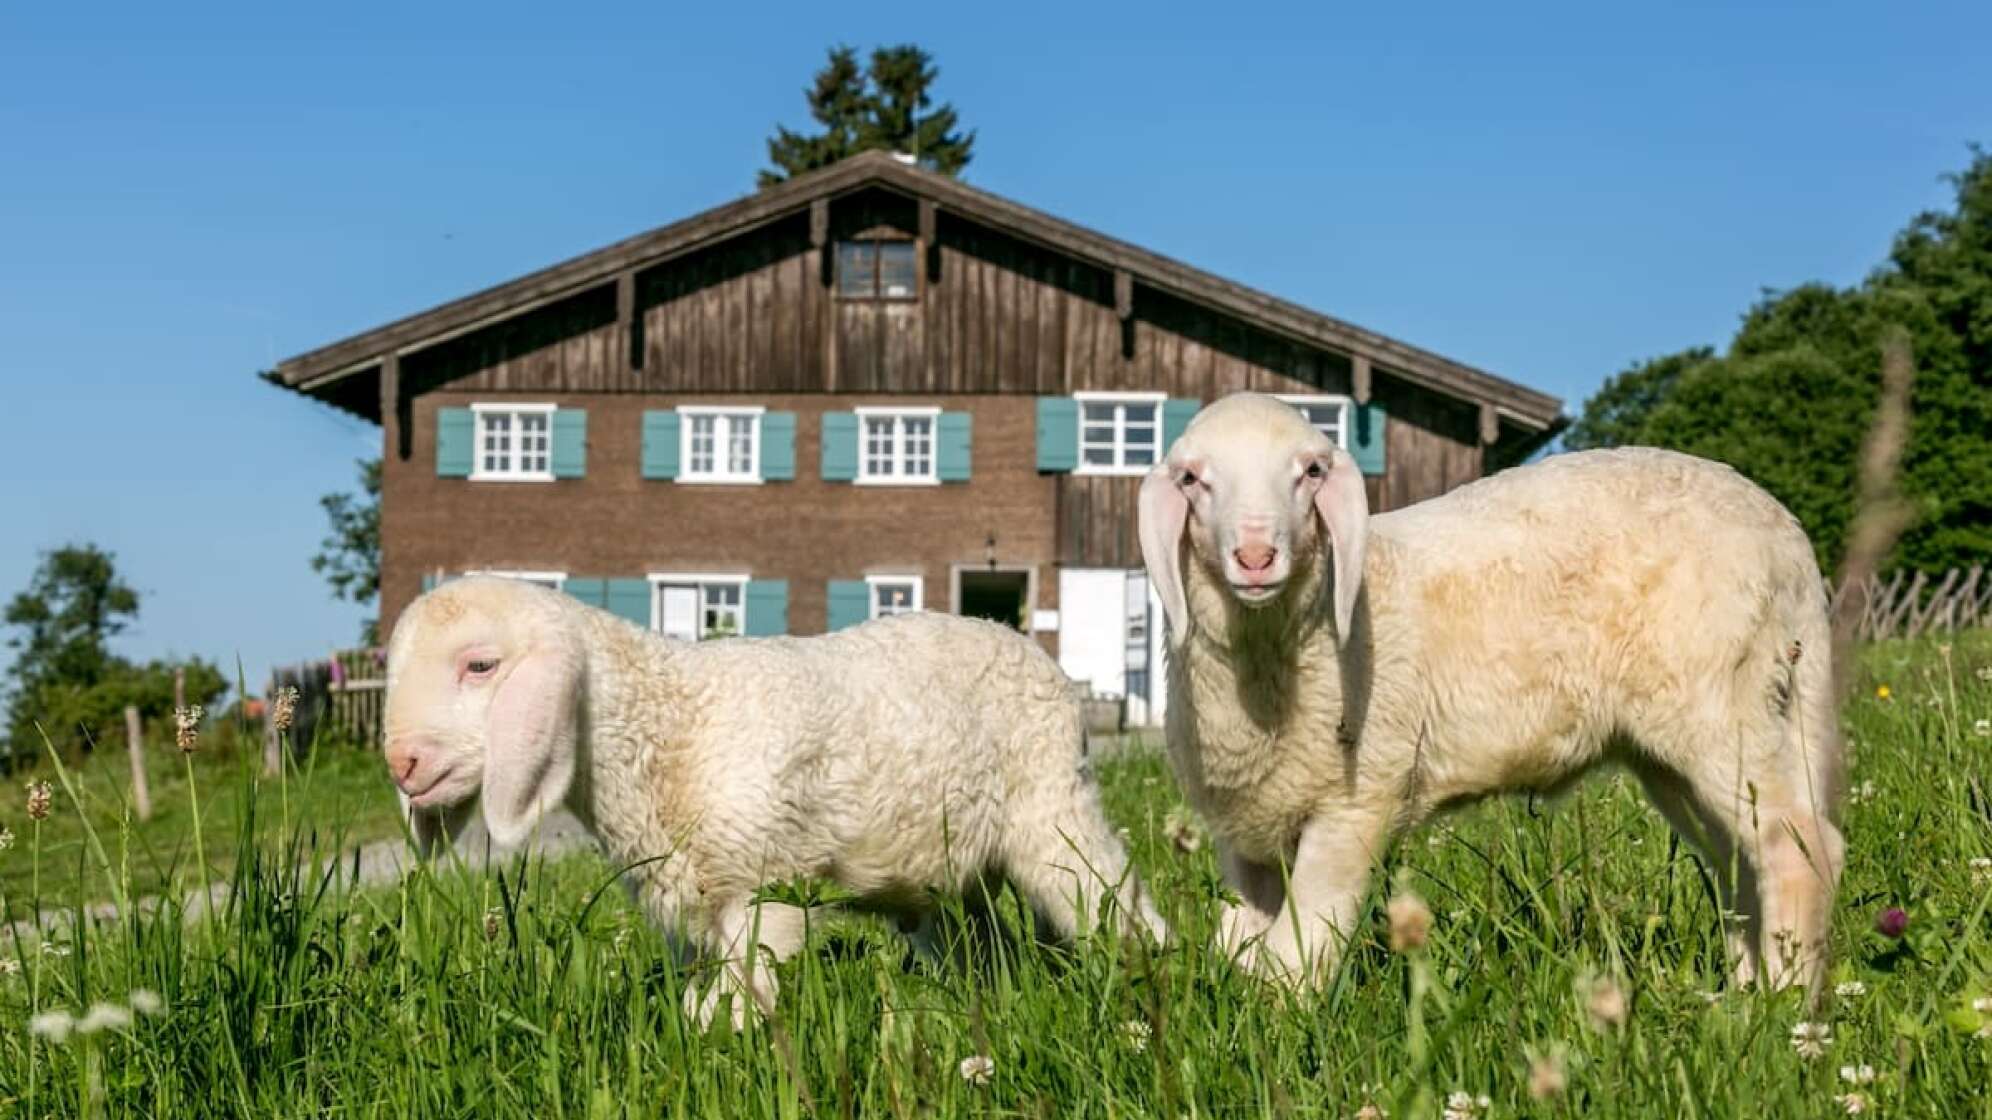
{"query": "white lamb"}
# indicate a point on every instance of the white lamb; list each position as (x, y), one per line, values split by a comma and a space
(1335, 678)
(907, 755)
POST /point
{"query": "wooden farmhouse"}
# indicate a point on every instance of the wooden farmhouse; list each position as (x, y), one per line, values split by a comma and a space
(869, 389)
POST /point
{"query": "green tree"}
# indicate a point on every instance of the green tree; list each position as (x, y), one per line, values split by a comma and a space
(349, 557)
(66, 679)
(885, 107)
(1788, 402)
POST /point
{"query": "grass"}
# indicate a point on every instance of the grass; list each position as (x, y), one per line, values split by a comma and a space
(536, 992)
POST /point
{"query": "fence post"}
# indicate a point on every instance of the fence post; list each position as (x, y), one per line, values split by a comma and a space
(141, 794)
(273, 747)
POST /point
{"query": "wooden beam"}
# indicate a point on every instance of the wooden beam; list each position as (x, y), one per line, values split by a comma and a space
(626, 324)
(819, 222)
(1124, 293)
(928, 210)
(393, 437)
(1359, 378)
(1490, 423)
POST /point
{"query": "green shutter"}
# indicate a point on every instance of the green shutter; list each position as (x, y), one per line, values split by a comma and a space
(594, 592)
(767, 607)
(850, 602)
(1057, 433)
(570, 443)
(840, 446)
(660, 445)
(428, 582)
(1176, 415)
(629, 599)
(778, 447)
(955, 446)
(1366, 436)
(456, 442)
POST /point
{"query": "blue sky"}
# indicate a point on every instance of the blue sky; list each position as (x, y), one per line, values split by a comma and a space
(189, 193)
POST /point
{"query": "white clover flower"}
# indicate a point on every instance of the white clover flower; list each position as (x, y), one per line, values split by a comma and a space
(1182, 829)
(1850, 989)
(1982, 728)
(6, 838)
(10, 966)
(1982, 1005)
(1985, 673)
(1863, 793)
(104, 1017)
(978, 1069)
(53, 1025)
(1811, 1039)
(1854, 1103)
(1137, 1034)
(54, 949)
(1604, 1002)
(1857, 1075)
(1466, 1106)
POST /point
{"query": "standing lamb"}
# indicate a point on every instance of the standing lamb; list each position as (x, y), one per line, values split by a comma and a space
(1334, 679)
(912, 754)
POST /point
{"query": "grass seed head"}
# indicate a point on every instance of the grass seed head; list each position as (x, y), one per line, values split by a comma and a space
(1410, 922)
(187, 727)
(41, 798)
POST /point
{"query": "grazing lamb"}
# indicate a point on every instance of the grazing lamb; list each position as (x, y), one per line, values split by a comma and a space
(1334, 678)
(906, 755)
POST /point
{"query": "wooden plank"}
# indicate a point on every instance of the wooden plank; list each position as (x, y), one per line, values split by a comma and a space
(819, 223)
(1359, 378)
(1123, 293)
(628, 325)
(1490, 424)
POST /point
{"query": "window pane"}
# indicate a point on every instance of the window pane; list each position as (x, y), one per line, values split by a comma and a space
(740, 445)
(1140, 455)
(721, 614)
(878, 446)
(1099, 412)
(704, 445)
(1140, 413)
(857, 268)
(917, 446)
(1100, 456)
(898, 277)
(533, 440)
(891, 598)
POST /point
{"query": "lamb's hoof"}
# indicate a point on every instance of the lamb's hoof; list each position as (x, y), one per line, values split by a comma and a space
(702, 1005)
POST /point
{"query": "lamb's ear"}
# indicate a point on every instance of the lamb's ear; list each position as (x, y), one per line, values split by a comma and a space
(1344, 508)
(437, 828)
(1162, 514)
(529, 739)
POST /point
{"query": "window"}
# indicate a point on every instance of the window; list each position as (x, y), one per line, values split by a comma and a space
(878, 269)
(698, 607)
(1119, 433)
(896, 445)
(514, 441)
(721, 445)
(553, 580)
(894, 594)
(1330, 415)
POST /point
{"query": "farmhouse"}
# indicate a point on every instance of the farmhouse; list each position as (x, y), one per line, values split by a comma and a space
(869, 389)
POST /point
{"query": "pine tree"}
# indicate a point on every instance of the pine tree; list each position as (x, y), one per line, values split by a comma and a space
(886, 107)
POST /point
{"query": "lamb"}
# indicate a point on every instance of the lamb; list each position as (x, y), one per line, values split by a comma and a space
(1336, 678)
(907, 755)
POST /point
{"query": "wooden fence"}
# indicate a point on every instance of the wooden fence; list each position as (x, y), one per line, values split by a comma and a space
(341, 697)
(1911, 604)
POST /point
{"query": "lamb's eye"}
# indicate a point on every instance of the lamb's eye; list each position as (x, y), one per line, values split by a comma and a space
(1316, 470)
(1187, 479)
(482, 668)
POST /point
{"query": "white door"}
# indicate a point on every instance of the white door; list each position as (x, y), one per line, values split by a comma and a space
(678, 612)
(1092, 627)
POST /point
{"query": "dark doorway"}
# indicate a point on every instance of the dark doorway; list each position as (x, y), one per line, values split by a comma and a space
(998, 596)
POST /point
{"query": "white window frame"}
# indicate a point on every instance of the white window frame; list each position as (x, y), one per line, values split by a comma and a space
(720, 474)
(556, 580)
(899, 416)
(699, 581)
(1347, 405)
(479, 412)
(872, 584)
(1120, 465)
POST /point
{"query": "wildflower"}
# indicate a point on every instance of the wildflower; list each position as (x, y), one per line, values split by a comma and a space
(187, 727)
(1857, 1075)
(6, 838)
(1881, 692)
(283, 707)
(1183, 830)
(53, 1025)
(1137, 1034)
(1546, 1077)
(1981, 870)
(1892, 922)
(10, 966)
(1811, 1039)
(54, 949)
(977, 1069)
(1371, 1111)
(145, 1001)
(1466, 1106)
(1850, 989)
(41, 798)
(1862, 793)
(1982, 1005)
(1605, 1002)
(491, 924)
(1410, 922)
(1985, 673)
(1854, 1103)
(1982, 728)
(104, 1017)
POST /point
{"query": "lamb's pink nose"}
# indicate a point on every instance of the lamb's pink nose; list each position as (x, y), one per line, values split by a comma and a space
(404, 757)
(1255, 557)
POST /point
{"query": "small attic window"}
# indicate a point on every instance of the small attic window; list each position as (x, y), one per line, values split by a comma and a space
(878, 269)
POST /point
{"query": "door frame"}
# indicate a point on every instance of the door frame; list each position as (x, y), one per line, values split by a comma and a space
(1028, 571)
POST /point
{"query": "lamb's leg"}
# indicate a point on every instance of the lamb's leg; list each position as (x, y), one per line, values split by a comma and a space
(1065, 876)
(1261, 891)
(748, 940)
(1331, 869)
(1735, 878)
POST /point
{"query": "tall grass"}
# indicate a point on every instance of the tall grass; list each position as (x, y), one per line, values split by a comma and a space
(1575, 938)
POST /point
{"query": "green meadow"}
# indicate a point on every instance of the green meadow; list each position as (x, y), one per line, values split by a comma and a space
(1574, 967)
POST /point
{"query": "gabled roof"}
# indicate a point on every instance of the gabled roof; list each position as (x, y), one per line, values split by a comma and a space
(320, 371)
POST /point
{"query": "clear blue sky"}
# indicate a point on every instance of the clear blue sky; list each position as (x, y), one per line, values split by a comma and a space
(190, 192)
